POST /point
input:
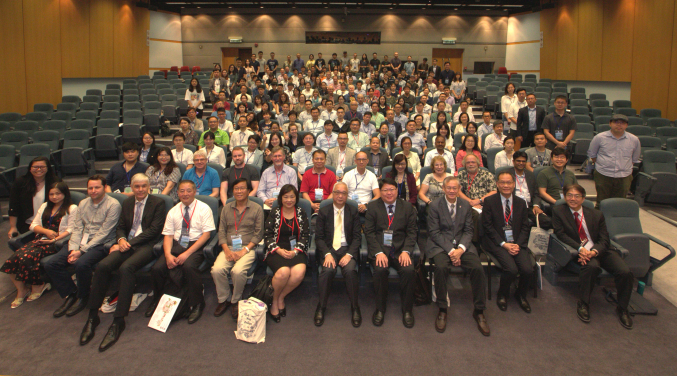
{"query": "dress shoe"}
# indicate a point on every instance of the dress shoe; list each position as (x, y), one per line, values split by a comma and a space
(67, 304)
(277, 318)
(481, 323)
(221, 308)
(151, 308)
(502, 303)
(583, 311)
(523, 303)
(88, 331)
(112, 336)
(319, 315)
(234, 311)
(624, 317)
(441, 322)
(196, 313)
(408, 319)
(357, 317)
(377, 319)
(77, 307)
(283, 312)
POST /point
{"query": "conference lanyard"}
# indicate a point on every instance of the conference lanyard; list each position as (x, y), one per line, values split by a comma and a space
(250, 156)
(201, 180)
(520, 181)
(277, 182)
(391, 218)
(358, 184)
(235, 172)
(295, 223)
(189, 219)
(241, 217)
(52, 215)
(471, 181)
(561, 179)
(342, 159)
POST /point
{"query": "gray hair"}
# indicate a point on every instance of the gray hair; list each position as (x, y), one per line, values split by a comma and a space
(340, 183)
(140, 177)
(200, 153)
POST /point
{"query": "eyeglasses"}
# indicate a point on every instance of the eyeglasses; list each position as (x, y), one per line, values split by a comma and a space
(389, 190)
(571, 195)
(340, 193)
(39, 167)
(239, 189)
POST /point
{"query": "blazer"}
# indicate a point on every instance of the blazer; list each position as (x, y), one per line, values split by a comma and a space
(566, 229)
(212, 85)
(436, 71)
(333, 157)
(411, 186)
(383, 161)
(21, 203)
(391, 138)
(272, 228)
(324, 230)
(531, 184)
(404, 228)
(493, 221)
(350, 116)
(442, 231)
(523, 120)
(152, 221)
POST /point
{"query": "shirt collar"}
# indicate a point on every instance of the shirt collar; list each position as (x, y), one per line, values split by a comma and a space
(190, 207)
(580, 211)
(143, 202)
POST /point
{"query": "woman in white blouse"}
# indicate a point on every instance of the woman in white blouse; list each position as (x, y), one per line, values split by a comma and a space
(507, 100)
(215, 154)
(457, 88)
(504, 157)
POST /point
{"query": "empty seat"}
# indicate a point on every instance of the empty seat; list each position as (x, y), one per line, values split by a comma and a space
(128, 81)
(602, 119)
(83, 124)
(91, 99)
(657, 122)
(148, 85)
(151, 116)
(131, 106)
(88, 115)
(131, 98)
(14, 138)
(38, 117)
(50, 138)
(113, 86)
(578, 90)
(150, 98)
(601, 111)
(94, 92)
(621, 104)
(107, 140)
(126, 92)
(634, 120)
(579, 103)
(595, 96)
(76, 157)
(111, 98)
(67, 107)
(640, 130)
(580, 110)
(27, 126)
(71, 99)
(147, 92)
(573, 96)
(47, 108)
(583, 119)
(117, 92)
(647, 113)
(599, 103)
(627, 111)
(111, 106)
(55, 125)
(4, 126)
(132, 117)
(581, 142)
(664, 133)
(110, 115)
(11, 117)
(650, 143)
(131, 133)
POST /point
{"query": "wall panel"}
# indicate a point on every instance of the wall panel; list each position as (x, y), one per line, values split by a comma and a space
(672, 96)
(549, 51)
(141, 51)
(123, 30)
(590, 22)
(75, 38)
(617, 39)
(13, 58)
(567, 56)
(101, 16)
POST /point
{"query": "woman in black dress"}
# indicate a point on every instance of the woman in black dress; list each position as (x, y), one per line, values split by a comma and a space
(50, 225)
(28, 192)
(287, 237)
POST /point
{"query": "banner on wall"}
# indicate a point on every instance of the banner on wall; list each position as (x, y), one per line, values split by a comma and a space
(342, 37)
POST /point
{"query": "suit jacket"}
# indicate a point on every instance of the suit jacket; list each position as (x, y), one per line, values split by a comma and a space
(493, 221)
(152, 221)
(523, 120)
(531, 184)
(436, 71)
(324, 230)
(442, 231)
(350, 116)
(404, 228)
(566, 229)
(398, 128)
(333, 157)
(383, 161)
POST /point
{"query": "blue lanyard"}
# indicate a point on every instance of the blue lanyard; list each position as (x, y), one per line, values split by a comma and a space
(560, 178)
(358, 184)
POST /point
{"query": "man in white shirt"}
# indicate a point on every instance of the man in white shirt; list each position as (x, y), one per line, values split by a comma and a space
(399, 117)
(514, 109)
(354, 64)
(440, 143)
(366, 127)
(314, 124)
(419, 111)
(305, 115)
(240, 136)
(224, 124)
(485, 126)
(463, 108)
(495, 140)
(427, 109)
(327, 140)
(329, 113)
(362, 183)
(357, 139)
(362, 106)
(303, 157)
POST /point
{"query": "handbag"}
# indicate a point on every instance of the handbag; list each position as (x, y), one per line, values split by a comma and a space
(264, 290)
(421, 287)
(538, 240)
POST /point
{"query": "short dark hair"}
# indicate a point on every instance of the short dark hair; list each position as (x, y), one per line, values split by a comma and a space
(180, 135)
(520, 89)
(520, 154)
(539, 134)
(242, 180)
(100, 178)
(505, 173)
(129, 146)
(562, 96)
(319, 151)
(574, 187)
(284, 190)
(560, 151)
(208, 134)
(389, 181)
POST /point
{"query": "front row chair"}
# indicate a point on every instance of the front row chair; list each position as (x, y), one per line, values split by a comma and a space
(657, 179)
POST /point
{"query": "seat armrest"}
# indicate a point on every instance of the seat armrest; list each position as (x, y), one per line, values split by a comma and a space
(656, 263)
(621, 250)
(560, 252)
(19, 241)
(208, 249)
(157, 248)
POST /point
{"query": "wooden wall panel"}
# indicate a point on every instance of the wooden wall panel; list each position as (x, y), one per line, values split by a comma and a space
(549, 50)
(672, 96)
(101, 16)
(140, 49)
(75, 38)
(42, 43)
(567, 56)
(123, 29)
(590, 22)
(12, 58)
(651, 54)
(617, 39)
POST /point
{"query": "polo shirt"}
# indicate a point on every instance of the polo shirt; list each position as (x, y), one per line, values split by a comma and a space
(327, 179)
(553, 123)
(205, 183)
(554, 182)
(362, 185)
(220, 138)
(118, 178)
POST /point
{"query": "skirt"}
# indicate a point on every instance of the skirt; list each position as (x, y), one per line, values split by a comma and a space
(275, 261)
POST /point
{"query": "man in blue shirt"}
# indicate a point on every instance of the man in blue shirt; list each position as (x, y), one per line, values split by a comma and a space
(119, 179)
(206, 179)
(272, 63)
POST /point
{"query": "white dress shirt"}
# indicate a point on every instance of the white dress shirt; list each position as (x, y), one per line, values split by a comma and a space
(589, 244)
(201, 220)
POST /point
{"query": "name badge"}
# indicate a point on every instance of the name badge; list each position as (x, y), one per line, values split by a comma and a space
(319, 193)
(184, 240)
(559, 134)
(292, 243)
(236, 240)
(155, 191)
(354, 197)
(561, 195)
(508, 234)
(339, 174)
(128, 189)
(85, 237)
(276, 192)
(388, 238)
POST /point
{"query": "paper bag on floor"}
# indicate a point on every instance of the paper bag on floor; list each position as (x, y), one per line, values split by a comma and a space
(164, 312)
(251, 321)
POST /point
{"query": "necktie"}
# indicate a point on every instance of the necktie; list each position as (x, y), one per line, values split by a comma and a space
(581, 230)
(186, 220)
(390, 217)
(508, 212)
(137, 217)
(338, 229)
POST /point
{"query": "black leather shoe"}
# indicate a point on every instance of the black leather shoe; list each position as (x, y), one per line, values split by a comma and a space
(221, 308)
(408, 319)
(523, 303)
(441, 322)
(88, 331)
(319, 315)
(67, 304)
(77, 307)
(112, 336)
(482, 324)
(377, 319)
(357, 317)
(283, 312)
(583, 311)
(502, 303)
(151, 308)
(277, 318)
(196, 313)
(624, 317)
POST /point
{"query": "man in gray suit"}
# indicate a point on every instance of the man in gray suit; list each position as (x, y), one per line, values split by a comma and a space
(341, 156)
(216, 86)
(450, 232)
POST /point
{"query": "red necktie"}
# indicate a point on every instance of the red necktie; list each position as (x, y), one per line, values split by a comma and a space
(581, 230)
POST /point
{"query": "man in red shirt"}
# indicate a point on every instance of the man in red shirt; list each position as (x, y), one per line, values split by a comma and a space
(318, 182)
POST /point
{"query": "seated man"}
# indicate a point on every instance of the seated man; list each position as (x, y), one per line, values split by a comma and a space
(450, 231)
(303, 157)
(495, 139)
(356, 138)
(440, 143)
(238, 169)
(552, 180)
(585, 230)
(366, 127)
(275, 177)
(138, 230)
(240, 231)
(340, 223)
(119, 177)
(93, 225)
(527, 190)
(181, 154)
(327, 140)
(391, 232)
(417, 140)
(538, 155)
(506, 237)
(221, 137)
(187, 229)
(362, 183)
(206, 179)
(377, 157)
(476, 183)
(317, 182)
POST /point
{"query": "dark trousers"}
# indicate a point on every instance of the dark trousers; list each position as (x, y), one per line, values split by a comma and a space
(187, 273)
(56, 268)
(470, 262)
(528, 141)
(407, 276)
(608, 187)
(128, 263)
(349, 273)
(544, 221)
(511, 266)
(614, 264)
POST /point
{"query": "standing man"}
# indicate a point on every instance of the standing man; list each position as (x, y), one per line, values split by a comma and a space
(614, 152)
(341, 156)
(529, 121)
(334, 62)
(450, 232)
(396, 63)
(409, 66)
(513, 112)
(391, 232)
(560, 126)
(447, 75)
(354, 64)
(319, 62)
(345, 61)
(272, 64)
(375, 62)
(216, 85)
(298, 64)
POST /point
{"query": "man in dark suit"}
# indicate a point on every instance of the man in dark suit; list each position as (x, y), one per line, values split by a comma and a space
(435, 70)
(527, 189)
(506, 237)
(377, 158)
(450, 232)
(391, 231)
(338, 243)
(529, 120)
(584, 229)
(138, 230)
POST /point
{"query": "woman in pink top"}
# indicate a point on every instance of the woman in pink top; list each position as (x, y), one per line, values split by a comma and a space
(468, 145)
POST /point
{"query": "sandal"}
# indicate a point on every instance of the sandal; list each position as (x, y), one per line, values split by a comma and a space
(36, 295)
(19, 301)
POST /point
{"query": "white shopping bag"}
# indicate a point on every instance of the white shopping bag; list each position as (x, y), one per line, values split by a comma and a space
(164, 312)
(538, 240)
(251, 321)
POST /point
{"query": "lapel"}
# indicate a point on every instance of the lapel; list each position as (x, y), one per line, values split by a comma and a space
(590, 221)
(572, 221)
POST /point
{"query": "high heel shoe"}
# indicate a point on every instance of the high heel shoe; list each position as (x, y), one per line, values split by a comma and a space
(19, 301)
(277, 318)
(283, 312)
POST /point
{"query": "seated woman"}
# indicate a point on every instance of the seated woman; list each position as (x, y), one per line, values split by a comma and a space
(444, 131)
(432, 186)
(50, 224)
(148, 148)
(28, 192)
(406, 182)
(469, 145)
(253, 155)
(439, 122)
(164, 175)
(413, 160)
(462, 125)
(215, 154)
(286, 240)
(386, 139)
(191, 137)
(504, 157)
(292, 137)
(275, 139)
